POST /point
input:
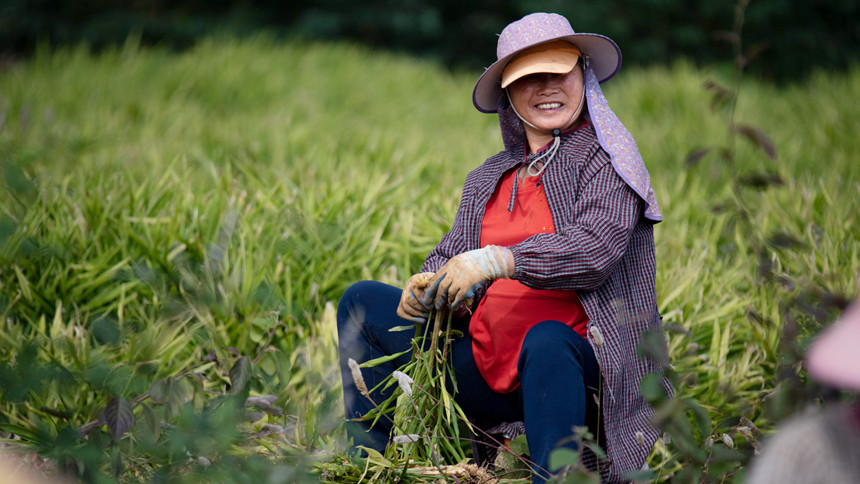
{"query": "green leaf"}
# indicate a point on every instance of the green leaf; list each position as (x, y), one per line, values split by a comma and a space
(7, 228)
(160, 390)
(240, 375)
(152, 426)
(700, 416)
(375, 456)
(519, 445)
(595, 447)
(382, 359)
(651, 388)
(171, 393)
(106, 332)
(727, 424)
(562, 457)
(23, 284)
(639, 476)
(582, 477)
(119, 417)
(652, 345)
(720, 454)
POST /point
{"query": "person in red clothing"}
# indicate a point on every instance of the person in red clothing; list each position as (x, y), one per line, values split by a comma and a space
(549, 264)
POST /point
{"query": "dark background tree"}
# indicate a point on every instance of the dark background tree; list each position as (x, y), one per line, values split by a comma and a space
(795, 35)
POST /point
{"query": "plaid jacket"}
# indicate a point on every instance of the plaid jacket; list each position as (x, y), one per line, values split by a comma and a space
(603, 248)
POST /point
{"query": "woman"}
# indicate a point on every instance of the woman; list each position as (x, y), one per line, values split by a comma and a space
(552, 246)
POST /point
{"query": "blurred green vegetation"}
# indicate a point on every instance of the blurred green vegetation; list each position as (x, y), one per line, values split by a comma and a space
(792, 37)
(176, 229)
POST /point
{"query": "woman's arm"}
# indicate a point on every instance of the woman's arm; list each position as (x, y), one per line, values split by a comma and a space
(453, 242)
(584, 253)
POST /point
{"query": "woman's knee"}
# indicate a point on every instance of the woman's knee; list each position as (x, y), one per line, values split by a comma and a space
(366, 312)
(549, 341)
(354, 300)
(549, 334)
(554, 346)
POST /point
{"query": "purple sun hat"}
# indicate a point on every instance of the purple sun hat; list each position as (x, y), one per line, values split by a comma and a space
(538, 28)
(601, 59)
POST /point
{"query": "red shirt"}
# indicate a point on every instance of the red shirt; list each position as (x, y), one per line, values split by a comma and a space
(509, 308)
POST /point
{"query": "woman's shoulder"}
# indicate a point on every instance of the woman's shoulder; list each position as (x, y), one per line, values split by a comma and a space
(583, 147)
(501, 161)
(502, 157)
(587, 132)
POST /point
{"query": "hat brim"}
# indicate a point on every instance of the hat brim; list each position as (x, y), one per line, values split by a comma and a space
(833, 358)
(557, 57)
(603, 53)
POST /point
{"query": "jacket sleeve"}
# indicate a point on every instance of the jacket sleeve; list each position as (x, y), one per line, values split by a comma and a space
(453, 242)
(583, 254)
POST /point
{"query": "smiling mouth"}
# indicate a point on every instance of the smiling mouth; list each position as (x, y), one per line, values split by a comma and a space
(548, 106)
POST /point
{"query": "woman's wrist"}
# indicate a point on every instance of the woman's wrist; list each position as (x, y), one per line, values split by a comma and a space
(494, 261)
(509, 259)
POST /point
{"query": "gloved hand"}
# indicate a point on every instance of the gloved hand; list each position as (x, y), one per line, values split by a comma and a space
(458, 279)
(412, 305)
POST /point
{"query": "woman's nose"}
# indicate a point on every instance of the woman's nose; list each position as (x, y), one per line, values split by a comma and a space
(548, 82)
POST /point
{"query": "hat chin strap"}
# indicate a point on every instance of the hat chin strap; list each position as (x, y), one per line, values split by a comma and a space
(549, 154)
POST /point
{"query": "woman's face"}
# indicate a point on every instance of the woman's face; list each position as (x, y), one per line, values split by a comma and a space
(548, 101)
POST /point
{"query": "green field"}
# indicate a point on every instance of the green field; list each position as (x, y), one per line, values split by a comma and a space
(157, 207)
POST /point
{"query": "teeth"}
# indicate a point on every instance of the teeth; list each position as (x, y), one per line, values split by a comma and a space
(549, 106)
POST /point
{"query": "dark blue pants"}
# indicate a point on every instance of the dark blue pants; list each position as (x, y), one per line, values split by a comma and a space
(558, 374)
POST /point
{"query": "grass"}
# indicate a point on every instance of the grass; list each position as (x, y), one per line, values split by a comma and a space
(159, 206)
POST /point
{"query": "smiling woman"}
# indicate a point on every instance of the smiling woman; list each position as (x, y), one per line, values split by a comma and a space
(549, 267)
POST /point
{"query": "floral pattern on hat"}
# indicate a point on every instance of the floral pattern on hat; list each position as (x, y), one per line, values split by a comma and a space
(531, 30)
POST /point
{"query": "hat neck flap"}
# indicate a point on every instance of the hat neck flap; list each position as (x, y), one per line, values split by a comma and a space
(513, 131)
(611, 134)
(619, 143)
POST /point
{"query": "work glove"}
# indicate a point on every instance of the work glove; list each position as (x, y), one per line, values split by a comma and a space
(464, 273)
(412, 305)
